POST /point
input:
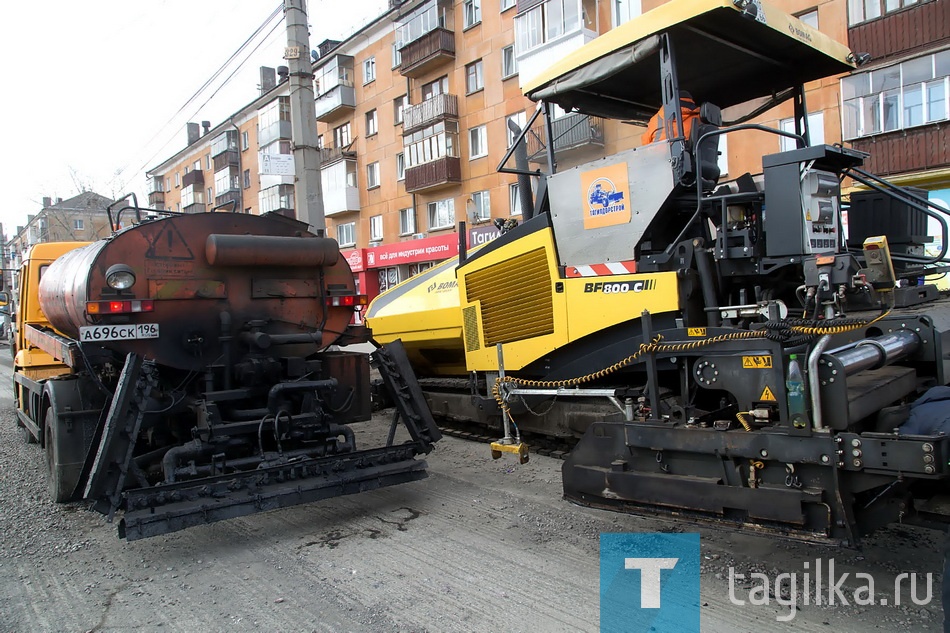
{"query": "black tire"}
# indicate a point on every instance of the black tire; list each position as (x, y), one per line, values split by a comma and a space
(25, 434)
(59, 489)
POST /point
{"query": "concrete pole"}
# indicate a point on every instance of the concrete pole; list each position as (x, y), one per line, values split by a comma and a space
(308, 196)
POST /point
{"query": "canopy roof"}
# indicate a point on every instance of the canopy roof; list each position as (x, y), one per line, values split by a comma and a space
(724, 54)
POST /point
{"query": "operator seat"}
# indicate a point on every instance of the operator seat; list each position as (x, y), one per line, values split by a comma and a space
(710, 119)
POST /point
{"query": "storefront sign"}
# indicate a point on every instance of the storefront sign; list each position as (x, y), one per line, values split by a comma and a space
(482, 235)
(354, 258)
(411, 251)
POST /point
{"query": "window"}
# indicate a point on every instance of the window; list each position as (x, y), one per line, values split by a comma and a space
(473, 12)
(474, 81)
(507, 4)
(435, 88)
(341, 135)
(245, 141)
(399, 108)
(168, 184)
(336, 72)
(177, 179)
(809, 17)
(197, 165)
(896, 97)
(371, 127)
(346, 234)
(864, 10)
(509, 63)
(514, 199)
(441, 214)
(210, 192)
(208, 163)
(477, 142)
(372, 175)
(519, 119)
(625, 10)
(369, 70)
(407, 222)
(388, 277)
(376, 228)
(431, 143)
(400, 166)
(816, 130)
(78, 224)
(247, 178)
(397, 56)
(547, 21)
(482, 206)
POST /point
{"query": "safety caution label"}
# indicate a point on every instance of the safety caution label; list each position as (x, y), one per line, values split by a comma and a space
(757, 362)
(767, 394)
(696, 331)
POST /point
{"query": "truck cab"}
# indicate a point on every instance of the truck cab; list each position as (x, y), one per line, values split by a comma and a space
(33, 366)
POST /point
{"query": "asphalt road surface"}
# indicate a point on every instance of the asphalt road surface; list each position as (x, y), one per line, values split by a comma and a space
(480, 545)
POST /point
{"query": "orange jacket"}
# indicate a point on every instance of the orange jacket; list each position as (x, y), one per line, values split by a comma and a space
(656, 129)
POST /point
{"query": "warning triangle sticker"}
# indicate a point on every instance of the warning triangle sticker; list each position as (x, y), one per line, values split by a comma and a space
(169, 243)
(767, 394)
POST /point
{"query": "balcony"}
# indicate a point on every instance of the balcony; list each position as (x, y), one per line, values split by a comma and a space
(425, 53)
(542, 54)
(233, 195)
(224, 143)
(194, 177)
(333, 154)
(156, 198)
(436, 174)
(338, 100)
(433, 110)
(226, 159)
(279, 199)
(274, 131)
(338, 182)
(574, 131)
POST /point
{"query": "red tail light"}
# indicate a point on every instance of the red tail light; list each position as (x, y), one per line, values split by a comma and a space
(120, 307)
(347, 300)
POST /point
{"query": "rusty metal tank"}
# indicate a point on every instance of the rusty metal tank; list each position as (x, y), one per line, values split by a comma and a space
(202, 282)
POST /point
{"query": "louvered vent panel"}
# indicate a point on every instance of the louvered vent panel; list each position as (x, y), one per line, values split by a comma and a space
(470, 321)
(515, 296)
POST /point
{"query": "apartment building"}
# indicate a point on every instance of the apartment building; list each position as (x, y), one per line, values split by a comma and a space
(413, 110)
(82, 218)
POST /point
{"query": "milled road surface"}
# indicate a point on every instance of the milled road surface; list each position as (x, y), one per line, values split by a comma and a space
(480, 545)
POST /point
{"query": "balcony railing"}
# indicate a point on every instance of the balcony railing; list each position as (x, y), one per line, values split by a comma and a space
(194, 177)
(335, 101)
(422, 54)
(433, 110)
(230, 157)
(197, 207)
(573, 131)
(442, 172)
(156, 197)
(277, 130)
(279, 199)
(225, 142)
(333, 154)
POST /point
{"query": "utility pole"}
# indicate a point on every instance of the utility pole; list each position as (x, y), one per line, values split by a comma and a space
(308, 195)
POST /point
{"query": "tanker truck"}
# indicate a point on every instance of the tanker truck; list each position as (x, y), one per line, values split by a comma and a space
(187, 369)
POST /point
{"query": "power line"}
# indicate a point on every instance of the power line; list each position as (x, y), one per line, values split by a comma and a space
(203, 87)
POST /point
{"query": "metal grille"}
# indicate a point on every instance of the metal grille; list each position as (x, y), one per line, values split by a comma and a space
(515, 298)
(470, 322)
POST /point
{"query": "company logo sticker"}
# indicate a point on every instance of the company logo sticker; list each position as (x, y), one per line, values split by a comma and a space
(649, 582)
(606, 196)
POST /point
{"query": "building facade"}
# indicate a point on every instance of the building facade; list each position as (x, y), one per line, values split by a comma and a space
(82, 218)
(413, 118)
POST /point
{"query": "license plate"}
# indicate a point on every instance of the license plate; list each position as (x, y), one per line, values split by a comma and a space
(97, 333)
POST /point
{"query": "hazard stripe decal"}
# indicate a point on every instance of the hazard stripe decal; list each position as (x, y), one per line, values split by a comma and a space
(601, 270)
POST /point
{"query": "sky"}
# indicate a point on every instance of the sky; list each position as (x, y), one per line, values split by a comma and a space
(93, 87)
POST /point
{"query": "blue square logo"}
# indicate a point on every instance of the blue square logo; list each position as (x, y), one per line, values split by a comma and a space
(649, 583)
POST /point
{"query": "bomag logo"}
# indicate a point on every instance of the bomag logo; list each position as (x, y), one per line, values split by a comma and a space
(610, 288)
(442, 287)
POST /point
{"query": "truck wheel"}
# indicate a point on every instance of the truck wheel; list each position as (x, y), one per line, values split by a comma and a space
(60, 485)
(25, 433)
